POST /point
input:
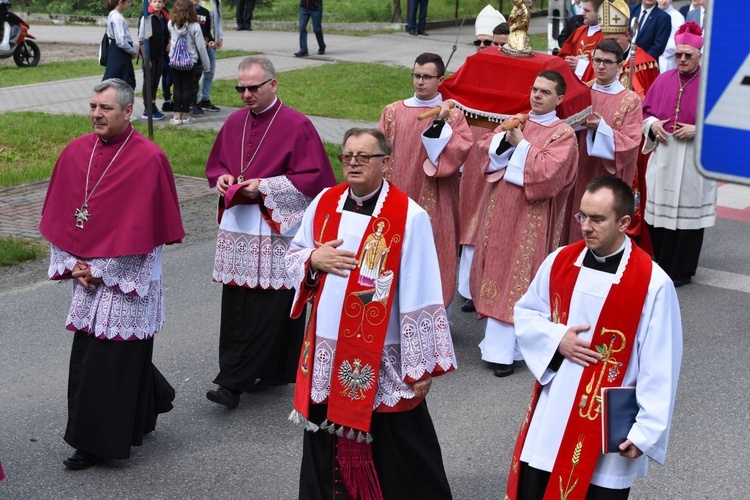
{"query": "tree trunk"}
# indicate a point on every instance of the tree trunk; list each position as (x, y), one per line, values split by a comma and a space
(396, 11)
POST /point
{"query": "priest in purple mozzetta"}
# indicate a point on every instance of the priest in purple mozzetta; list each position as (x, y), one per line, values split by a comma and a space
(680, 202)
(111, 207)
(267, 165)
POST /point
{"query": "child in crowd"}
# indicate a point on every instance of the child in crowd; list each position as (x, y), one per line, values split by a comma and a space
(184, 23)
(204, 19)
(158, 41)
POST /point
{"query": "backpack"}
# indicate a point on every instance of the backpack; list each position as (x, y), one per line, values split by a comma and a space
(103, 50)
(180, 58)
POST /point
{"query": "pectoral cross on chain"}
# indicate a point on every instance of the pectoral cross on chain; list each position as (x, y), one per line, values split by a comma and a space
(82, 215)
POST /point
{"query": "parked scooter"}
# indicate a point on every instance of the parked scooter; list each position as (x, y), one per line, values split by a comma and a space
(14, 38)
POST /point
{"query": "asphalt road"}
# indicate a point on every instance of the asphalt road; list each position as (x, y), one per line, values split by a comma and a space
(201, 451)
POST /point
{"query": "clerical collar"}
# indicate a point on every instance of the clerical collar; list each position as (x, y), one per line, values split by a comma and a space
(116, 139)
(608, 263)
(255, 115)
(545, 119)
(594, 29)
(416, 102)
(364, 205)
(613, 88)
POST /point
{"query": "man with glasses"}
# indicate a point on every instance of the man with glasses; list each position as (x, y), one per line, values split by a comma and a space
(266, 164)
(612, 135)
(426, 158)
(579, 46)
(598, 310)
(378, 333)
(681, 203)
(531, 169)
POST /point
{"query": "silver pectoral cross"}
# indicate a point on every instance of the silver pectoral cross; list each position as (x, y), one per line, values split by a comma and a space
(82, 215)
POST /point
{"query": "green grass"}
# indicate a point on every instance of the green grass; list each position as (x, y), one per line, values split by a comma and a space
(13, 251)
(33, 141)
(63, 70)
(357, 91)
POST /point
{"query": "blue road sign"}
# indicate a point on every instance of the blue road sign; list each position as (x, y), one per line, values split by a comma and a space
(723, 125)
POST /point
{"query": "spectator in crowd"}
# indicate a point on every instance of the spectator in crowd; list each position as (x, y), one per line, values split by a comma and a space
(698, 14)
(654, 27)
(216, 32)
(310, 9)
(157, 43)
(666, 60)
(204, 20)
(122, 52)
(694, 4)
(416, 24)
(245, 10)
(184, 23)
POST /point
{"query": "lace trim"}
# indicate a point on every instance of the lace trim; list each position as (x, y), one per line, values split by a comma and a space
(123, 307)
(286, 204)
(426, 345)
(500, 117)
(252, 260)
(296, 264)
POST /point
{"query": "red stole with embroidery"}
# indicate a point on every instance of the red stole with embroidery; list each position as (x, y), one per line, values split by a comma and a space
(366, 311)
(614, 337)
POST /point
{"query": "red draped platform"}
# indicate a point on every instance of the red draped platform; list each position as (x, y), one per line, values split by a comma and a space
(491, 85)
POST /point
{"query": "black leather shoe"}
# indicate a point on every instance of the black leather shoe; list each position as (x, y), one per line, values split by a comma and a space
(321, 51)
(413, 33)
(468, 306)
(682, 281)
(224, 397)
(301, 54)
(81, 460)
(502, 370)
(422, 33)
(263, 384)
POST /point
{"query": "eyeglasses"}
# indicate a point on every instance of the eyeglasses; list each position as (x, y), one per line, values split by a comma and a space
(605, 62)
(425, 78)
(483, 43)
(680, 55)
(251, 88)
(359, 159)
(595, 221)
(544, 92)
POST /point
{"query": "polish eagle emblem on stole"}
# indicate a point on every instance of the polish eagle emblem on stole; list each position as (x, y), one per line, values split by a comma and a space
(356, 379)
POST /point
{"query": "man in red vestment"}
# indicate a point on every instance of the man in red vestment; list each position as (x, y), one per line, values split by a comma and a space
(610, 141)
(426, 158)
(111, 206)
(579, 46)
(267, 164)
(531, 170)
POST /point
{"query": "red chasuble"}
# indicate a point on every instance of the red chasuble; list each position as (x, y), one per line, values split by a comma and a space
(364, 320)
(579, 43)
(614, 338)
(134, 208)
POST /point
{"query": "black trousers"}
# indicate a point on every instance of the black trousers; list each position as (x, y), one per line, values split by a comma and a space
(677, 250)
(114, 395)
(183, 89)
(244, 13)
(533, 483)
(405, 450)
(257, 338)
(157, 66)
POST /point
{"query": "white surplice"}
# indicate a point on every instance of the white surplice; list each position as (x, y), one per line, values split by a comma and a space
(654, 367)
